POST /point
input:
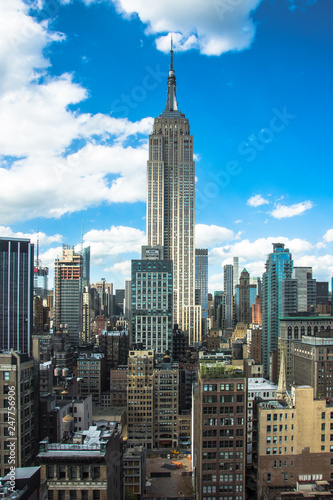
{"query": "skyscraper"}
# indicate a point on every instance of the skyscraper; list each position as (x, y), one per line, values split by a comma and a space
(16, 294)
(228, 276)
(151, 301)
(279, 266)
(170, 204)
(68, 309)
(201, 282)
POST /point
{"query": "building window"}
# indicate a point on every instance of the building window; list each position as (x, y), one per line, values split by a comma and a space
(72, 495)
(323, 415)
(84, 494)
(50, 471)
(62, 472)
(5, 375)
(269, 477)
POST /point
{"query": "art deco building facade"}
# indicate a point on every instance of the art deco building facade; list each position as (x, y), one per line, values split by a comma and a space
(170, 203)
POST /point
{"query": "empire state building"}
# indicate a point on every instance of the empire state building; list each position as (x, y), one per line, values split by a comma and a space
(171, 205)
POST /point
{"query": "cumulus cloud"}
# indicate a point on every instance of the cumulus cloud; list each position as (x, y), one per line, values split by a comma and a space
(283, 211)
(257, 200)
(207, 236)
(43, 173)
(328, 236)
(257, 250)
(213, 27)
(114, 241)
(44, 239)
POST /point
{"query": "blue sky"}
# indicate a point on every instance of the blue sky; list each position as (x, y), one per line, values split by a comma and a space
(81, 82)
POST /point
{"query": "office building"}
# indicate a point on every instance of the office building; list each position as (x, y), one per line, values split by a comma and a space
(17, 410)
(105, 304)
(87, 468)
(258, 389)
(279, 266)
(91, 370)
(228, 283)
(127, 312)
(134, 470)
(171, 203)
(16, 294)
(245, 296)
(152, 306)
(201, 284)
(235, 265)
(140, 398)
(256, 311)
(219, 426)
(68, 308)
(166, 402)
(292, 330)
(293, 441)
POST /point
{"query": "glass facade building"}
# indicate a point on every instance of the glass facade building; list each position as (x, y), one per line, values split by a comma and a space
(279, 266)
(151, 305)
(16, 294)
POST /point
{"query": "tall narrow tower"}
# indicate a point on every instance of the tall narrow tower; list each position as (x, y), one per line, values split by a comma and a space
(170, 205)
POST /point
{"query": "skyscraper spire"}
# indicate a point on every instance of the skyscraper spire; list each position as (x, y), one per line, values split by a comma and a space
(171, 104)
(171, 55)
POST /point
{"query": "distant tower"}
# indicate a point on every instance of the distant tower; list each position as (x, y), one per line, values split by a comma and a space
(68, 309)
(229, 295)
(235, 262)
(279, 266)
(16, 294)
(201, 282)
(170, 205)
(41, 274)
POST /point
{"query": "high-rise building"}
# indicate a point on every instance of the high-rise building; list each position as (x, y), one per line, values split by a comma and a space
(127, 312)
(201, 283)
(219, 432)
(228, 284)
(151, 308)
(17, 410)
(245, 297)
(235, 264)
(279, 266)
(68, 309)
(140, 382)
(170, 204)
(16, 294)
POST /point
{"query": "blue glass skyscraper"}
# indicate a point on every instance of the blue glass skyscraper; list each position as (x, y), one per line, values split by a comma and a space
(279, 266)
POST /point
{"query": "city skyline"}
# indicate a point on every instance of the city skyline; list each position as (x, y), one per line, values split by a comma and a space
(81, 83)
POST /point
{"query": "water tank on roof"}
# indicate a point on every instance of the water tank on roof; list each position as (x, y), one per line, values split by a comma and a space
(65, 372)
(57, 372)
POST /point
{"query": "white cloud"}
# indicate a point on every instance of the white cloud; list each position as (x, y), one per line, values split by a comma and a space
(41, 174)
(328, 236)
(322, 265)
(208, 236)
(44, 240)
(114, 241)
(258, 249)
(282, 211)
(213, 27)
(257, 200)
